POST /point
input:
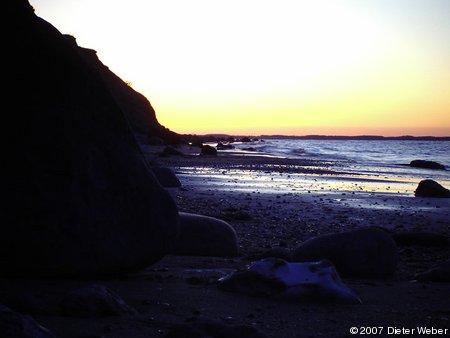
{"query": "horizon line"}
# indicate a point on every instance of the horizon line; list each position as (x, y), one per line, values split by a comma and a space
(321, 136)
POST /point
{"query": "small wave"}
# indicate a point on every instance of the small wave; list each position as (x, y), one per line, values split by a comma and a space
(359, 154)
(298, 151)
(303, 153)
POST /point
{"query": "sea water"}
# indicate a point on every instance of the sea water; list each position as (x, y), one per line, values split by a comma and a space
(367, 157)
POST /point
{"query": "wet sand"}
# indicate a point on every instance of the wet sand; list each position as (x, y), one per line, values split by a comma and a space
(271, 203)
(290, 201)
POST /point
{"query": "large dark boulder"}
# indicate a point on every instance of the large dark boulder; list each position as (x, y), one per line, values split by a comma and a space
(364, 252)
(79, 199)
(430, 188)
(426, 164)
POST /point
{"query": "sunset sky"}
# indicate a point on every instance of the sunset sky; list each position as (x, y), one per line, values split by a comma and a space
(254, 67)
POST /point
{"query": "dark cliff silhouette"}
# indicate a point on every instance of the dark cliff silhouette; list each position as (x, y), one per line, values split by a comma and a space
(80, 199)
(136, 107)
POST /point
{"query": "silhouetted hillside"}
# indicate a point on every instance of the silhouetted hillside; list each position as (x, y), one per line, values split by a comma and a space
(135, 106)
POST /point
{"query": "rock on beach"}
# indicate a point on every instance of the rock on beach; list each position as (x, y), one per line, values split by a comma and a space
(426, 164)
(430, 188)
(205, 236)
(208, 150)
(364, 252)
(276, 278)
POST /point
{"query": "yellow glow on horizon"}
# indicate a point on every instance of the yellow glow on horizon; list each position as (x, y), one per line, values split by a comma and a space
(273, 67)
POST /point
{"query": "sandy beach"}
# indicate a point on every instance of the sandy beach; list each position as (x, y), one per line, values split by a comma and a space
(290, 200)
(271, 203)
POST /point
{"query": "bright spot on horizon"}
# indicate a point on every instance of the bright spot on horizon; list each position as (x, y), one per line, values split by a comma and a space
(275, 67)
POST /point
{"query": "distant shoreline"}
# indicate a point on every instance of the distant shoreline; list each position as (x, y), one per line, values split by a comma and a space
(361, 137)
(335, 137)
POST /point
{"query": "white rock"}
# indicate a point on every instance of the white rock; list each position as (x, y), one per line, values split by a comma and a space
(274, 277)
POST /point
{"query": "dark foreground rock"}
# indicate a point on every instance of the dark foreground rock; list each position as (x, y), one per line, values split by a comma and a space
(210, 328)
(365, 252)
(95, 301)
(205, 236)
(426, 164)
(276, 278)
(80, 199)
(16, 325)
(430, 188)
